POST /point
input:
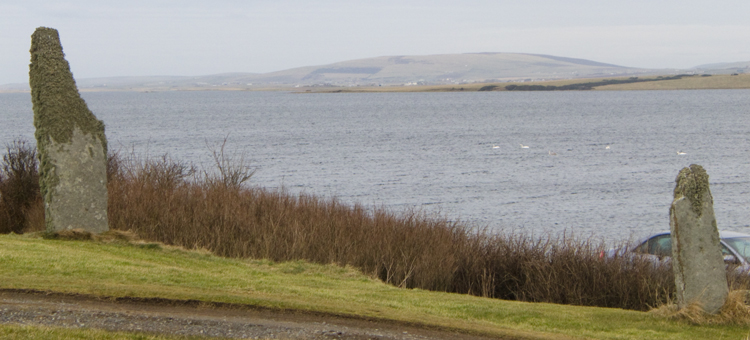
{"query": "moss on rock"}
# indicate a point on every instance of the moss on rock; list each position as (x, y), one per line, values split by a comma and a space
(58, 108)
(692, 183)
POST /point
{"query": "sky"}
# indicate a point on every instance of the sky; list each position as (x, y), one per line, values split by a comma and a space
(105, 38)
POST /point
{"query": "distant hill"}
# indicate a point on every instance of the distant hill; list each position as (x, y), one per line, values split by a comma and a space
(387, 70)
(443, 69)
(722, 68)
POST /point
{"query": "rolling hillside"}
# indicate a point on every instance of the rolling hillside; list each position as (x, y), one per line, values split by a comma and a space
(399, 70)
(725, 68)
(444, 69)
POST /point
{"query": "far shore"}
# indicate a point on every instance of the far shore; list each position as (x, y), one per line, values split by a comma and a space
(692, 82)
(649, 83)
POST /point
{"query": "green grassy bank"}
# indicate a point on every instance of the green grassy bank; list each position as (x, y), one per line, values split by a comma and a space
(120, 269)
(167, 201)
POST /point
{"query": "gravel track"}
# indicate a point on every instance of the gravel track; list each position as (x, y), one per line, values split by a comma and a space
(194, 318)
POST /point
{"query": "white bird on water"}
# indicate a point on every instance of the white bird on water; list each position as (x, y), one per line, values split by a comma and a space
(524, 146)
(681, 153)
(552, 153)
(496, 146)
(607, 147)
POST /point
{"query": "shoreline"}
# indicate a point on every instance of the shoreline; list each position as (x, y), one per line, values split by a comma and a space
(650, 83)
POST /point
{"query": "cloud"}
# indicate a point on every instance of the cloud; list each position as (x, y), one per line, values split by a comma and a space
(193, 37)
(648, 46)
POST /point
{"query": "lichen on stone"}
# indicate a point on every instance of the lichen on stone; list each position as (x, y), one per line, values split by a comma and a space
(692, 184)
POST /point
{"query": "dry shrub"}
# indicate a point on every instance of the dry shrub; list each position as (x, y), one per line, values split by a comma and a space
(232, 170)
(167, 201)
(566, 270)
(20, 198)
(5, 225)
(35, 217)
(736, 310)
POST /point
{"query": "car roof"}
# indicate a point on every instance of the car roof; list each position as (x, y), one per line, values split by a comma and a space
(722, 234)
(732, 234)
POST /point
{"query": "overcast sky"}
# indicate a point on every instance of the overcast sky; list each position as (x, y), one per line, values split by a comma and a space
(185, 37)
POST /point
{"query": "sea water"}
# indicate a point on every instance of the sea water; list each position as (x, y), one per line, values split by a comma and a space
(598, 163)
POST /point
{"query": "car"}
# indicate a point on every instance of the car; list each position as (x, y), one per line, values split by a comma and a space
(735, 247)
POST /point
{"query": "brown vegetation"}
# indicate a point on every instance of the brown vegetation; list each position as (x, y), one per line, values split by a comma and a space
(20, 200)
(168, 201)
(736, 310)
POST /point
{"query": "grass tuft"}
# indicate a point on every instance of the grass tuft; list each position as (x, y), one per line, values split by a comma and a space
(71, 235)
(736, 311)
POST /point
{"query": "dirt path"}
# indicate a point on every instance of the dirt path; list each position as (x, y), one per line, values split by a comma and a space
(193, 318)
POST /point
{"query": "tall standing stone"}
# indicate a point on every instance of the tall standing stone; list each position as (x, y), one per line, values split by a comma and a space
(696, 253)
(71, 142)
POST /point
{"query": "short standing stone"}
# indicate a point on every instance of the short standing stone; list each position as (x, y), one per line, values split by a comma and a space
(696, 254)
(71, 142)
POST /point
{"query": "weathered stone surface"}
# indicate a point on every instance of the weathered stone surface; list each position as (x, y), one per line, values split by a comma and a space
(71, 141)
(696, 254)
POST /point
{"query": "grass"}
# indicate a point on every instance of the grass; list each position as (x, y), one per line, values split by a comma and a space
(163, 200)
(318, 248)
(167, 201)
(18, 332)
(120, 269)
(735, 310)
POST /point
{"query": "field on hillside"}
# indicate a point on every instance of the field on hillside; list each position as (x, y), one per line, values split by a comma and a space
(697, 82)
(722, 81)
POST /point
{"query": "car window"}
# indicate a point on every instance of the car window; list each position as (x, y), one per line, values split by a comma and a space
(660, 245)
(725, 250)
(741, 245)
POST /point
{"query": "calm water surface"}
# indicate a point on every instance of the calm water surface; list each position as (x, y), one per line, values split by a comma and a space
(457, 154)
